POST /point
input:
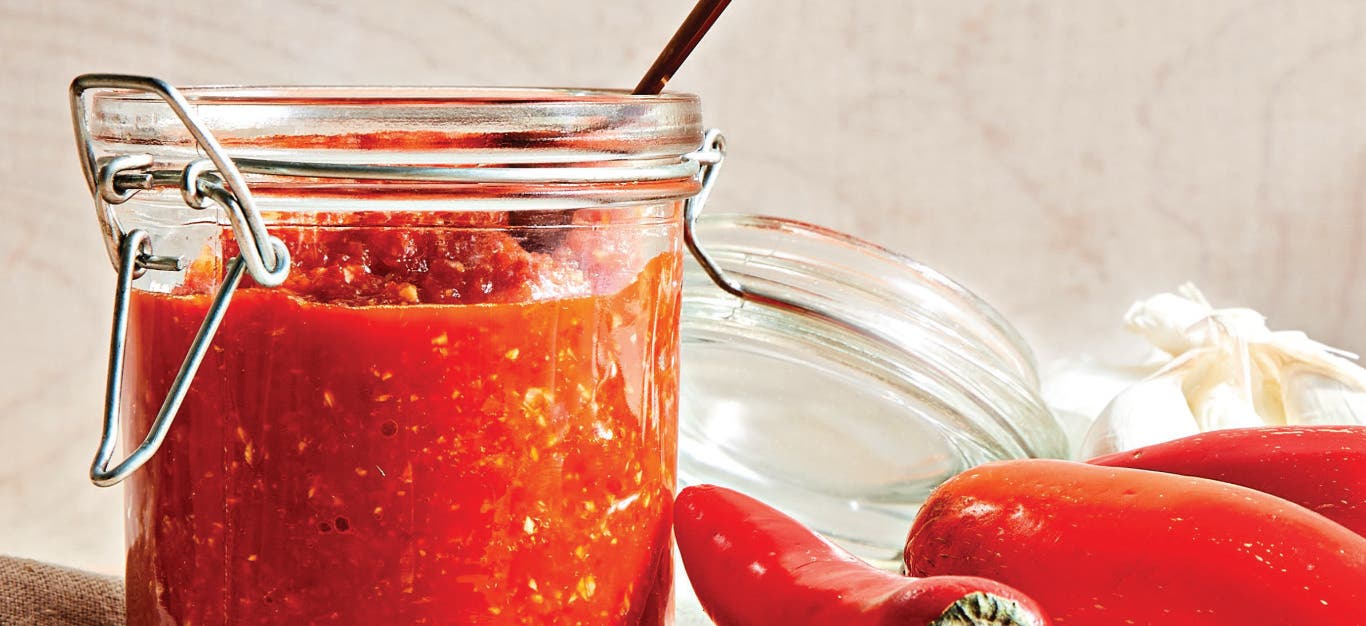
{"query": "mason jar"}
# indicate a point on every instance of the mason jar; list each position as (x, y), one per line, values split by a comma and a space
(438, 379)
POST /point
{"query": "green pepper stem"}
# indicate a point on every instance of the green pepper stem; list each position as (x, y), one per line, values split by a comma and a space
(984, 609)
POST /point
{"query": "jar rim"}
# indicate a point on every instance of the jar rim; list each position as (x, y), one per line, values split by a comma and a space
(473, 95)
(551, 141)
(441, 126)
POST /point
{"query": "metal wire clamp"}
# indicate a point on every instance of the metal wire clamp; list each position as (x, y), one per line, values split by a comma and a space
(114, 181)
(710, 157)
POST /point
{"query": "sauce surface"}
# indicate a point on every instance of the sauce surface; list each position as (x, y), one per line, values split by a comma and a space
(425, 425)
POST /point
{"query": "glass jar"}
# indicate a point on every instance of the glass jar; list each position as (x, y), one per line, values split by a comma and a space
(460, 403)
(876, 380)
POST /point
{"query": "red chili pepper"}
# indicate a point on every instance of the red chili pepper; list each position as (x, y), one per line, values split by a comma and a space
(754, 566)
(1322, 468)
(1102, 546)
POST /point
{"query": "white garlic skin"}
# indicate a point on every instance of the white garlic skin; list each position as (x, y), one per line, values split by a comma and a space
(1227, 370)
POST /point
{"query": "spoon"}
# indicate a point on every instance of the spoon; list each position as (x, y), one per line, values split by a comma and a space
(696, 25)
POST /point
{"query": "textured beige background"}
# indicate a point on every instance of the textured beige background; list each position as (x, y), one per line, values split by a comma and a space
(1060, 157)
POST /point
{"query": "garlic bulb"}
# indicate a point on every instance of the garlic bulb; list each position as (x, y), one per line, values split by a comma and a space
(1226, 370)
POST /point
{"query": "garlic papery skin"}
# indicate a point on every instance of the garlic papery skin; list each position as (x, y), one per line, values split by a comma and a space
(1151, 411)
(1315, 399)
(1227, 370)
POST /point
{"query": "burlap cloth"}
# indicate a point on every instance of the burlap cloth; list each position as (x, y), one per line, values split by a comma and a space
(39, 594)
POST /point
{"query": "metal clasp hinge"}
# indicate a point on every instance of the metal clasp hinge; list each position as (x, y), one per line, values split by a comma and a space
(709, 157)
(114, 181)
(133, 246)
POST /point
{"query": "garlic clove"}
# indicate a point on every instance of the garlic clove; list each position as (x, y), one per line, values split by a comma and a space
(1224, 405)
(1151, 411)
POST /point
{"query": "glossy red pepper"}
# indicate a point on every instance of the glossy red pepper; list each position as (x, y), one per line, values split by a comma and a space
(1322, 468)
(754, 566)
(1101, 546)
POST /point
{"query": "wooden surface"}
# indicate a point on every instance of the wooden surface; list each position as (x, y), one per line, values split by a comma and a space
(1062, 157)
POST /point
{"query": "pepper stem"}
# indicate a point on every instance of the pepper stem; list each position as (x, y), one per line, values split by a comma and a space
(984, 609)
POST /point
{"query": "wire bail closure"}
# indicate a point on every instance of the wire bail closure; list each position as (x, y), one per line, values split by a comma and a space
(100, 472)
(115, 180)
(218, 180)
(709, 158)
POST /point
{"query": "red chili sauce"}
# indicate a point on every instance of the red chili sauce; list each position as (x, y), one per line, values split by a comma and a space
(424, 425)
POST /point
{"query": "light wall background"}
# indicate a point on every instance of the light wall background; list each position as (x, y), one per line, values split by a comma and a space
(1060, 157)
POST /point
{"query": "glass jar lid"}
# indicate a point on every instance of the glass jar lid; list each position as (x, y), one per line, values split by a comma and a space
(880, 381)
